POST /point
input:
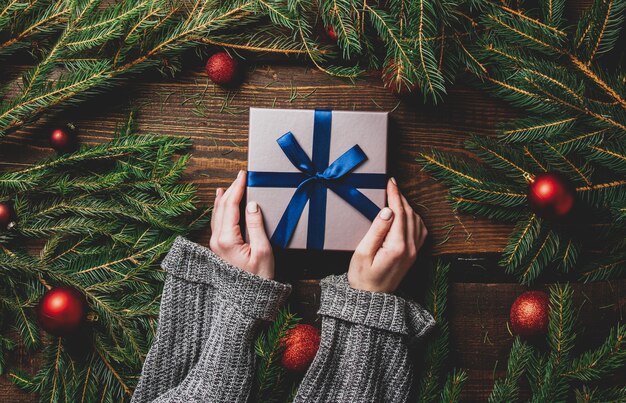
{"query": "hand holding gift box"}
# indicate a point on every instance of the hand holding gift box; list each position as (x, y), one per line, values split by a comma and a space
(319, 176)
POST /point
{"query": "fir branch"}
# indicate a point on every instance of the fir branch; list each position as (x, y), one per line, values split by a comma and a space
(561, 334)
(268, 348)
(39, 20)
(568, 255)
(610, 155)
(500, 157)
(589, 395)
(506, 390)
(448, 169)
(399, 53)
(100, 244)
(552, 11)
(605, 268)
(596, 79)
(542, 253)
(570, 143)
(520, 242)
(431, 78)
(564, 164)
(535, 128)
(340, 15)
(452, 389)
(437, 347)
(599, 28)
(596, 364)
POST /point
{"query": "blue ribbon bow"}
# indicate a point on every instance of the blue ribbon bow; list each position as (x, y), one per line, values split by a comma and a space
(313, 180)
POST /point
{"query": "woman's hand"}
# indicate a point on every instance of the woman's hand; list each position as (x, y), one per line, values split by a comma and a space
(226, 241)
(389, 248)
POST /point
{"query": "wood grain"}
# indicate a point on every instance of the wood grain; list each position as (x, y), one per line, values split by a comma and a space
(479, 314)
(217, 121)
(189, 106)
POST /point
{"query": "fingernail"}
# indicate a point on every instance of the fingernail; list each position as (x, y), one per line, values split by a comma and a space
(217, 192)
(252, 207)
(386, 213)
(240, 174)
(393, 180)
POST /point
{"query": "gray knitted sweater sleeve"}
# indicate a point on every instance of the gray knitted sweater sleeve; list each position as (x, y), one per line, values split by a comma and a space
(363, 354)
(210, 314)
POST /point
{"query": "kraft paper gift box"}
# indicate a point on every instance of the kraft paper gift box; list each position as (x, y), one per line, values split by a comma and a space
(318, 176)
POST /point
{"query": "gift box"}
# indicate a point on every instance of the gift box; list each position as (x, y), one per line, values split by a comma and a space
(318, 176)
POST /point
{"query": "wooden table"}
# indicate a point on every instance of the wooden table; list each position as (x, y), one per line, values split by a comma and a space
(217, 121)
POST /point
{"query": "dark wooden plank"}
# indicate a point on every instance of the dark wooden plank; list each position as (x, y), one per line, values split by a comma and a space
(478, 315)
(189, 106)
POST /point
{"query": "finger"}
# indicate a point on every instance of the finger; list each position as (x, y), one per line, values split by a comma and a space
(219, 192)
(397, 233)
(233, 185)
(375, 236)
(230, 204)
(259, 242)
(410, 223)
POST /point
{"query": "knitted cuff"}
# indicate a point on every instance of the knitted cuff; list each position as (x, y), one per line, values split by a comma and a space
(257, 297)
(374, 309)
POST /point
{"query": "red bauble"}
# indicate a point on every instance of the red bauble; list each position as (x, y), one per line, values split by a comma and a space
(529, 314)
(551, 195)
(222, 69)
(7, 216)
(63, 139)
(301, 344)
(61, 311)
(330, 33)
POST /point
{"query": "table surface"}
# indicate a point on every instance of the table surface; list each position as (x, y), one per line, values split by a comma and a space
(217, 121)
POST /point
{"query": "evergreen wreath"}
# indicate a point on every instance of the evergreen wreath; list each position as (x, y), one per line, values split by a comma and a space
(436, 382)
(94, 46)
(554, 372)
(576, 126)
(108, 213)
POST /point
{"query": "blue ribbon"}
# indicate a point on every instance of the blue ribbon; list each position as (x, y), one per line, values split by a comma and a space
(313, 180)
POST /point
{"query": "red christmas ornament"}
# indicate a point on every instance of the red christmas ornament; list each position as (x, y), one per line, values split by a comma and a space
(529, 314)
(222, 69)
(330, 33)
(551, 195)
(61, 311)
(301, 344)
(63, 139)
(7, 216)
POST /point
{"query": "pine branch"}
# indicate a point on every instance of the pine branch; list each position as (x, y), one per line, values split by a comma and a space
(340, 14)
(437, 347)
(552, 375)
(452, 389)
(268, 347)
(598, 363)
(605, 268)
(105, 226)
(589, 395)
(599, 28)
(520, 243)
(575, 124)
(542, 253)
(561, 334)
(39, 19)
(506, 390)
(534, 128)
